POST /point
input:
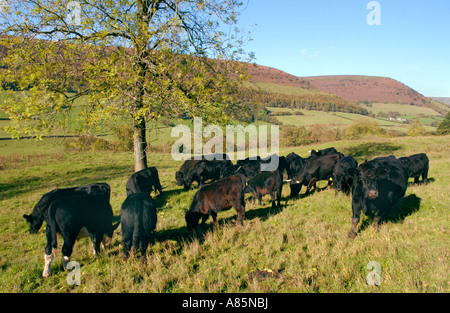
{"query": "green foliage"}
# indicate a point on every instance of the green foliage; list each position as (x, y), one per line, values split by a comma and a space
(416, 129)
(363, 127)
(124, 137)
(140, 58)
(293, 136)
(444, 127)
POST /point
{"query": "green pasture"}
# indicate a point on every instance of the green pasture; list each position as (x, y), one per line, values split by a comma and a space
(300, 247)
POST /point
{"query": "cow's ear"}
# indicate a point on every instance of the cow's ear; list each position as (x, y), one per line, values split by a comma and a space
(28, 218)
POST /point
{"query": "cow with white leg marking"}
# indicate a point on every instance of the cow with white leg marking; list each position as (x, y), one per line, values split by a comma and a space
(76, 217)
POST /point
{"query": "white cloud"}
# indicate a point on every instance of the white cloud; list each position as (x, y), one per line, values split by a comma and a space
(309, 55)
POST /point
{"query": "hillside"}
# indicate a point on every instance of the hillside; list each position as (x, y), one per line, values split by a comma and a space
(352, 88)
(444, 100)
(370, 88)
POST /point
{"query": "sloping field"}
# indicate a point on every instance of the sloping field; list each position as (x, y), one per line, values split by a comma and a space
(300, 247)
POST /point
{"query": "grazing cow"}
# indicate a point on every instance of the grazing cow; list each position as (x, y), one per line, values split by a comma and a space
(144, 180)
(417, 165)
(377, 186)
(314, 169)
(256, 159)
(75, 217)
(196, 170)
(268, 162)
(138, 219)
(323, 152)
(182, 173)
(266, 183)
(204, 171)
(216, 197)
(40, 210)
(294, 164)
(342, 174)
(247, 169)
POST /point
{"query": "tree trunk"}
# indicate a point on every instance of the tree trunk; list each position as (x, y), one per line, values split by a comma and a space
(140, 145)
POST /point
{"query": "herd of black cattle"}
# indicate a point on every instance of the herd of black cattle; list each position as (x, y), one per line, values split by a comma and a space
(83, 211)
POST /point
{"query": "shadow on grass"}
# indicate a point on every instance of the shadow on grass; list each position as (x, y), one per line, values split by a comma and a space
(181, 234)
(420, 183)
(365, 151)
(64, 179)
(402, 209)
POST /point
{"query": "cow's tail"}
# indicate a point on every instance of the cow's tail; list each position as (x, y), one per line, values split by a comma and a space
(138, 223)
(53, 227)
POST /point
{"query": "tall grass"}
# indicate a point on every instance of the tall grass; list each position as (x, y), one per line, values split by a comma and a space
(300, 247)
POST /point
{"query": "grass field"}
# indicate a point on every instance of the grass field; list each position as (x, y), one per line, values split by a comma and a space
(341, 119)
(300, 247)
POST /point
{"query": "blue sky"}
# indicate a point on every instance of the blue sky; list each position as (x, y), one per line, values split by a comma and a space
(332, 37)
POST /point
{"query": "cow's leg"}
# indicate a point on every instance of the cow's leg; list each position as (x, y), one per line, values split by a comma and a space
(204, 219)
(143, 248)
(49, 253)
(416, 181)
(48, 258)
(425, 177)
(355, 221)
(241, 216)
(240, 209)
(272, 196)
(214, 217)
(127, 241)
(311, 183)
(67, 248)
(97, 243)
(259, 198)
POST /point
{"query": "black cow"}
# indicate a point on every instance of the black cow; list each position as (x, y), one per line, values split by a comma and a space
(247, 169)
(40, 210)
(75, 217)
(208, 168)
(138, 218)
(377, 186)
(294, 164)
(256, 159)
(205, 171)
(182, 173)
(271, 159)
(144, 180)
(323, 152)
(266, 183)
(343, 174)
(417, 165)
(314, 169)
(216, 197)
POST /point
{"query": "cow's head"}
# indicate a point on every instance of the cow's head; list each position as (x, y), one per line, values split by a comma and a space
(368, 175)
(179, 177)
(108, 236)
(34, 223)
(249, 189)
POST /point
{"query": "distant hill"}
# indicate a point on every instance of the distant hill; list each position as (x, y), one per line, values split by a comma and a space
(370, 88)
(444, 100)
(353, 88)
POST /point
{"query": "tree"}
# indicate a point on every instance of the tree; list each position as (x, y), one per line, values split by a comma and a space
(416, 129)
(138, 58)
(444, 127)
